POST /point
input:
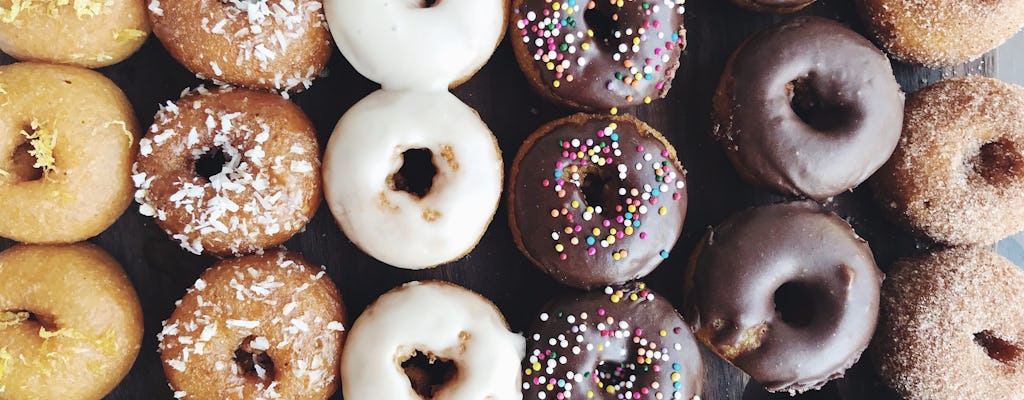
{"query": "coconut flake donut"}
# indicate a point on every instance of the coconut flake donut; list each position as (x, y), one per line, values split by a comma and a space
(957, 175)
(417, 44)
(261, 327)
(263, 193)
(951, 327)
(70, 322)
(68, 139)
(441, 321)
(281, 45)
(86, 33)
(413, 179)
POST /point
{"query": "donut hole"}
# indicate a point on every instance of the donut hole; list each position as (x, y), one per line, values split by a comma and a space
(604, 22)
(612, 373)
(428, 3)
(23, 164)
(253, 360)
(211, 163)
(428, 373)
(594, 186)
(999, 349)
(796, 305)
(819, 111)
(998, 162)
(28, 317)
(417, 173)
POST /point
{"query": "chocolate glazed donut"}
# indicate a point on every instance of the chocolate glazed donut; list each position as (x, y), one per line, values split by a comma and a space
(808, 108)
(788, 293)
(773, 6)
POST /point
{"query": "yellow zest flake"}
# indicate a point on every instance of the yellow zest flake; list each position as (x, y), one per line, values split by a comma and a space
(108, 343)
(7, 97)
(5, 361)
(83, 8)
(128, 34)
(43, 141)
(4, 174)
(65, 332)
(9, 319)
(124, 130)
(9, 15)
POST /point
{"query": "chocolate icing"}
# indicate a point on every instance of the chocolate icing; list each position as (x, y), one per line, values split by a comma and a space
(734, 276)
(773, 4)
(629, 339)
(629, 222)
(628, 57)
(844, 86)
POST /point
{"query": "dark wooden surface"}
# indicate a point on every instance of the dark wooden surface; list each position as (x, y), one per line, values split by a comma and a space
(161, 271)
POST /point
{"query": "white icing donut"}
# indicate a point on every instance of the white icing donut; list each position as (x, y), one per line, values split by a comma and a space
(402, 45)
(395, 226)
(439, 319)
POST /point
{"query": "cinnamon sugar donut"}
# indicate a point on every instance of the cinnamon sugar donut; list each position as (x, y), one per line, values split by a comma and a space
(267, 326)
(70, 322)
(265, 191)
(951, 327)
(957, 175)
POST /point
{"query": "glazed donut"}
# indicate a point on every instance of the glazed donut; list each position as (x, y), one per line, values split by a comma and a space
(808, 108)
(958, 173)
(596, 200)
(264, 193)
(259, 44)
(941, 33)
(624, 343)
(788, 293)
(439, 320)
(70, 322)
(377, 175)
(70, 134)
(267, 326)
(417, 44)
(596, 54)
(773, 6)
(86, 33)
(951, 327)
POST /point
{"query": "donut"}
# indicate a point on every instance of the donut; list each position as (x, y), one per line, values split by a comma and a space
(598, 55)
(414, 191)
(951, 327)
(258, 44)
(957, 175)
(940, 33)
(69, 135)
(596, 200)
(417, 44)
(263, 192)
(70, 322)
(773, 6)
(623, 343)
(443, 322)
(85, 33)
(788, 293)
(808, 108)
(268, 326)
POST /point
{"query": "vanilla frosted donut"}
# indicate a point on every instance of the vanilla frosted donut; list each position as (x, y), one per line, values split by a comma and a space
(370, 196)
(417, 44)
(442, 321)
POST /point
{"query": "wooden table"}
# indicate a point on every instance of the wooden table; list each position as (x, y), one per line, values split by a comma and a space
(161, 271)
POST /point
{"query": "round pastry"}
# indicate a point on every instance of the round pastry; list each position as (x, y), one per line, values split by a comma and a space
(68, 137)
(624, 343)
(940, 33)
(70, 322)
(417, 44)
(773, 6)
(267, 326)
(86, 33)
(443, 322)
(596, 200)
(596, 54)
(808, 108)
(229, 171)
(958, 173)
(788, 293)
(259, 44)
(414, 191)
(951, 327)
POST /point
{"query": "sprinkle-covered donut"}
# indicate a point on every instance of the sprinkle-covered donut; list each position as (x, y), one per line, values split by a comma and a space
(443, 322)
(86, 33)
(951, 327)
(808, 108)
(414, 191)
(596, 200)
(70, 322)
(69, 135)
(417, 44)
(624, 343)
(599, 54)
(260, 327)
(957, 175)
(263, 192)
(788, 293)
(280, 45)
